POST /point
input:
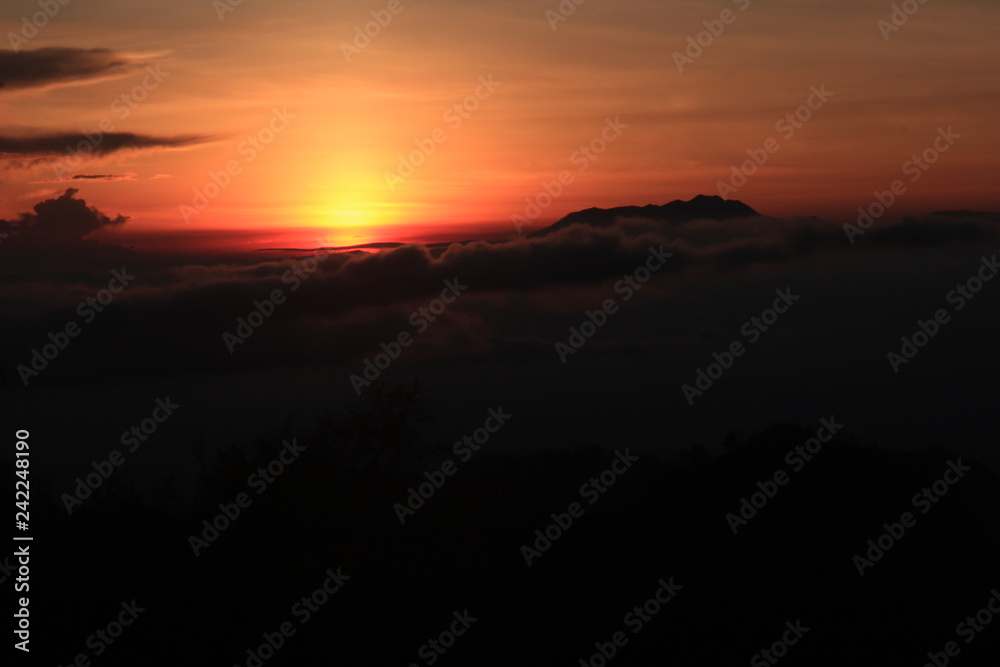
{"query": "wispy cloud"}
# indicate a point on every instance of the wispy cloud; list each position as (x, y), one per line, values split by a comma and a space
(27, 150)
(128, 176)
(58, 65)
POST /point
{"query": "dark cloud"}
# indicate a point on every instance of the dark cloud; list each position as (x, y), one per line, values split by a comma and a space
(104, 177)
(53, 145)
(41, 67)
(55, 235)
(129, 176)
(64, 219)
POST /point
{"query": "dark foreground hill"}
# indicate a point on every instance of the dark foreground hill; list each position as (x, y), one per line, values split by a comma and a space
(647, 529)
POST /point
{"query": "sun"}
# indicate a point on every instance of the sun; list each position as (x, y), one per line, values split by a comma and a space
(348, 221)
(350, 204)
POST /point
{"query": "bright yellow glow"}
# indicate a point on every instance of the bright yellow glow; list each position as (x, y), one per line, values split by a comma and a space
(345, 206)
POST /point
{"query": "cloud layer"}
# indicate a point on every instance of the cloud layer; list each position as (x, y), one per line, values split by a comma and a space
(522, 298)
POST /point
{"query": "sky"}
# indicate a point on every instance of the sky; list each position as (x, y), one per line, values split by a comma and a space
(264, 124)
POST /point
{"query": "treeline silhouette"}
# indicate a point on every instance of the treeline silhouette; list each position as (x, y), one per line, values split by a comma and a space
(333, 508)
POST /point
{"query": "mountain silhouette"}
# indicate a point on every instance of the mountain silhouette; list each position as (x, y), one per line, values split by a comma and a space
(702, 207)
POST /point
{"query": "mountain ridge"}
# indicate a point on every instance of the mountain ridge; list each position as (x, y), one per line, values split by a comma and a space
(701, 207)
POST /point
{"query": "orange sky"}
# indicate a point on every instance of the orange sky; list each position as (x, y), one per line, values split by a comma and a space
(325, 169)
